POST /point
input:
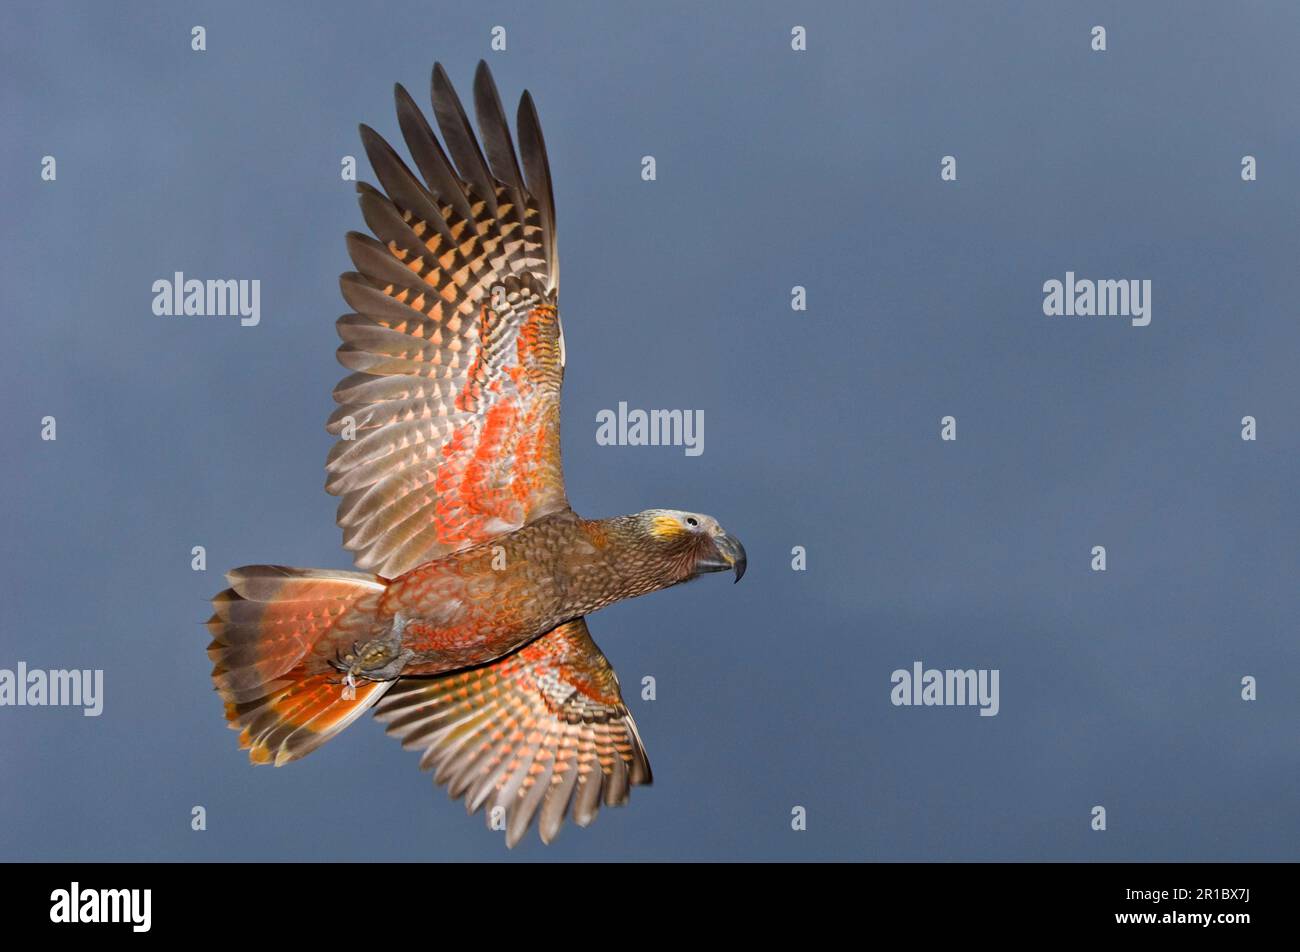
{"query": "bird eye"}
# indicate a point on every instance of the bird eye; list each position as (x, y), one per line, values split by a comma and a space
(692, 521)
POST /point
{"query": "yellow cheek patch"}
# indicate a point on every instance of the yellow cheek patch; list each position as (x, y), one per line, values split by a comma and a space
(666, 527)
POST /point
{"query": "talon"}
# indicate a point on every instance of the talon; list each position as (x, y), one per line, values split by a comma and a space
(379, 659)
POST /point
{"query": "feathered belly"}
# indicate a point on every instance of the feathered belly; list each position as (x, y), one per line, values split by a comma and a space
(449, 648)
(459, 615)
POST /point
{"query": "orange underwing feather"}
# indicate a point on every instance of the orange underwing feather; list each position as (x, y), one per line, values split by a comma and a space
(449, 425)
(540, 733)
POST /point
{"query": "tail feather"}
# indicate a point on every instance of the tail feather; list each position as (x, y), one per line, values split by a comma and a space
(264, 629)
(293, 721)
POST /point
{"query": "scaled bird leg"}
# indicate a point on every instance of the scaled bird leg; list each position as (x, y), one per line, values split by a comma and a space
(380, 659)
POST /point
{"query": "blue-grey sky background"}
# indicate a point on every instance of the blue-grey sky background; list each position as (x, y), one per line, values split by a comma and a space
(775, 169)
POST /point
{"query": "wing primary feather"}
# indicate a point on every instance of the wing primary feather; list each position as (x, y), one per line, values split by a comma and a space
(400, 183)
(426, 151)
(459, 136)
(557, 803)
(377, 264)
(532, 148)
(387, 224)
(494, 129)
(500, 147)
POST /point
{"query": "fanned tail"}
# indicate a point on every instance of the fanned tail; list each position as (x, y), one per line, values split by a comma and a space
(280, 697)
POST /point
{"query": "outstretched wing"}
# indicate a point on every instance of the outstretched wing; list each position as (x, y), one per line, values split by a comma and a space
(449, 425)
(539, 732)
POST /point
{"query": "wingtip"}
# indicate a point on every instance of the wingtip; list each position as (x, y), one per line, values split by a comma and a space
(483, 77)
(548, 832)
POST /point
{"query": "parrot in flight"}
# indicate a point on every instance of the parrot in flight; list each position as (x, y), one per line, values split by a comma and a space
(465, 627)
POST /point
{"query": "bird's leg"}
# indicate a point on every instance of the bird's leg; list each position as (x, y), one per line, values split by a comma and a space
(380, 659)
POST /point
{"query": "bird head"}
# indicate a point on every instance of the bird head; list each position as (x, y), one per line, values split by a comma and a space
(694, 542)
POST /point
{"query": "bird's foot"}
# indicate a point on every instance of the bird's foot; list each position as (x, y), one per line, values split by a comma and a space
(380, 659)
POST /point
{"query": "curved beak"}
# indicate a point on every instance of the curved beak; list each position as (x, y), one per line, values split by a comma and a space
(724, 552)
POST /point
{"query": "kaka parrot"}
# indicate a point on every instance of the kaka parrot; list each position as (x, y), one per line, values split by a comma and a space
(465, 629)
